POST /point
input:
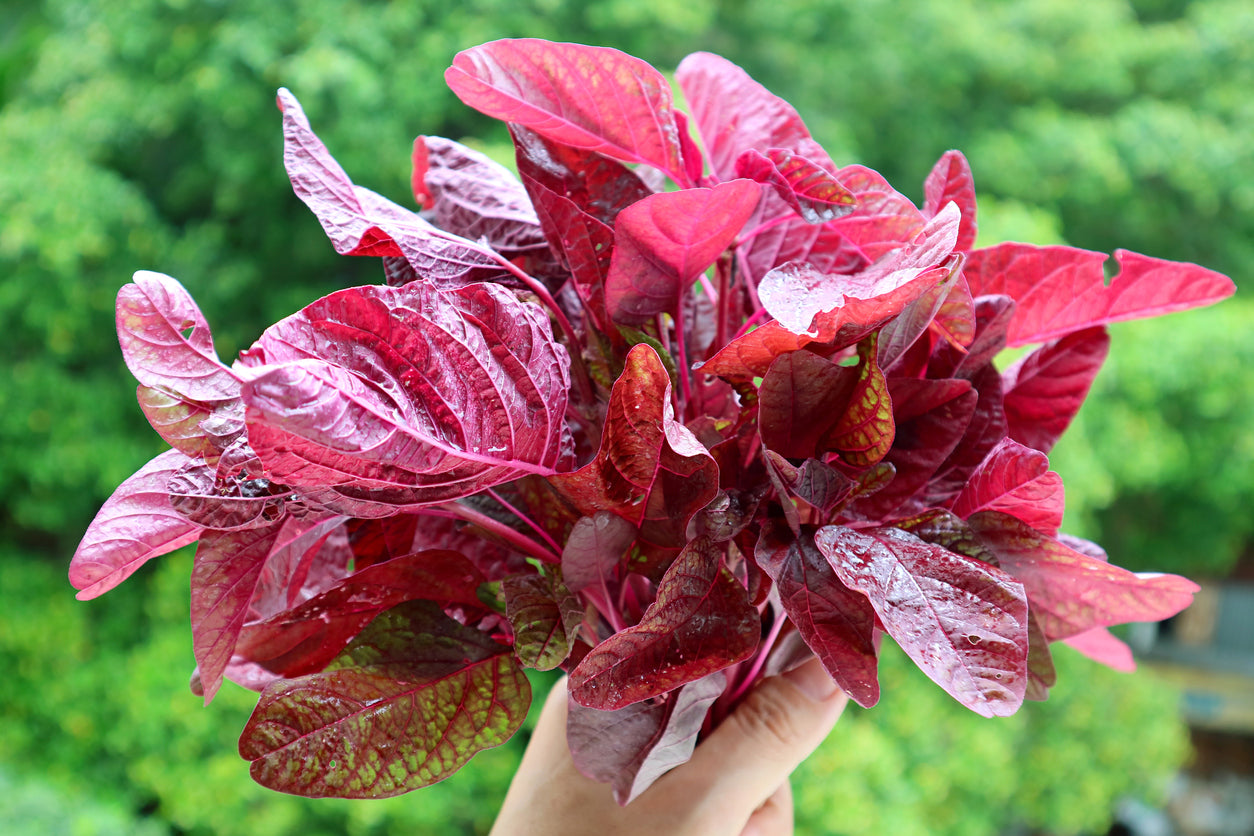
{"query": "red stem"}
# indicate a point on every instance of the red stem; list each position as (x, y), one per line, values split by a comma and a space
(515, 538)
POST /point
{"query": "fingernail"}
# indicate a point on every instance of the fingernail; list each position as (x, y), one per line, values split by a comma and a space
(813, 681)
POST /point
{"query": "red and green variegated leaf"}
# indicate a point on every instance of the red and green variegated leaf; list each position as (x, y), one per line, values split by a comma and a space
(1101, 646)
(950, 180)
(407, 396)
(588, 97)
(361, 222)
(663, 242)
(306, 637)
(955, 322)
(864, 432)
(1073, 592)
(1015, 480)
(810, 190)
(645, 739)
(406, 704)
(594, 550)
(836, 622)
(734, 113)
(1044, 390)
(650, 469)
(471, 195)
(166, 342)
(225, 573)
(1063, 289)
(136, 524)
(963, 622)
(800, 398)
(701, 622)
(545, 616)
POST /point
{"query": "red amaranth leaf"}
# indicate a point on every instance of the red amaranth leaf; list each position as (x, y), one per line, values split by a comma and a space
(1100, 645)
(963, 622)
(950, 179)
(167, 344)
(883, 219)
(812, 191)
(415, 396)
(835, 622)
(1045, 389)
(1041, 672)
(545, 616)
(650, 469)
(1015, 480)
(599, 186)
(663, 242)
(701, 622)
(595, 548)
(1063, 289)
(407, 704)
(587, 97)
(213, 497)
(136, 524)
(985, 431)
(201, 431)
(1072, 592)
(361, 222)
(632, 747)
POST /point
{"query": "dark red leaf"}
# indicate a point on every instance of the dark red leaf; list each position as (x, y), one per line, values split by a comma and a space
(584, 96)
(292, 576)
(545, 616)
(985, 431)
(1045, 389)
(1072, 592)
(136, 524)
(991, 319)
(812, 191)
(837, 623)
(896, 337)
(413, 698)
(1015, 480)
(950, 179)
(801, 397)
(795, 240)
(963, 622)
(1041, 672)
(595, 549)
(1063, 289)
(599, 186)
(416, 396)
(701, 622)
(632, 747)
(663, 242)
(734, 113)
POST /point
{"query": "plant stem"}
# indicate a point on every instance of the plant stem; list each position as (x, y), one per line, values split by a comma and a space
(517, 539)
(544, 535)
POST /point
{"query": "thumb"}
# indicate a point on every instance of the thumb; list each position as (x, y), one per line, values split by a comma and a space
(782, 720)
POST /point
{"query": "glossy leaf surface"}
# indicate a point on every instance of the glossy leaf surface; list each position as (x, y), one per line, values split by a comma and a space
(1015, 480)
(1044, 389)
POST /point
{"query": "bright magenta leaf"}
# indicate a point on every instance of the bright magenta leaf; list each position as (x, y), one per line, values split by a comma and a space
(1015, 480)
(663, 242)
(222, 498)
(1045, 389)
(836, 622)
(649, 738)
(136, 524)
(812, 191)
(583, 96)
(963, 622)
(950, 179)
(701, 622)
(883, 219)
(1072, 592)
(405, 705)
(1100, 645)
(1063, 289)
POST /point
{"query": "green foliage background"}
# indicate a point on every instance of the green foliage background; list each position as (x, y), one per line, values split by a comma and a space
(142, 135)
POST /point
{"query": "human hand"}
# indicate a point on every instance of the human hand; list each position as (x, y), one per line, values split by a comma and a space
(736, 783)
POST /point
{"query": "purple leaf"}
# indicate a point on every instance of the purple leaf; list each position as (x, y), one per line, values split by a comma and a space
(1063, 289)
(166, 342)
(650, 469)
(306, 637)
(587, 97)
(1045, 389)
(594, 549)
(545, 616)
(812, 191)
(951, 180)
(136, 524)
(1072, 592)
(632, 747)
(1015, 480)
(360, 222)
(473, 196)
(417, 397)
(837, 623)
(663, 242)
(413, 698)
(964, 623)
(734, 113)
(701, 622)
(225, 572)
